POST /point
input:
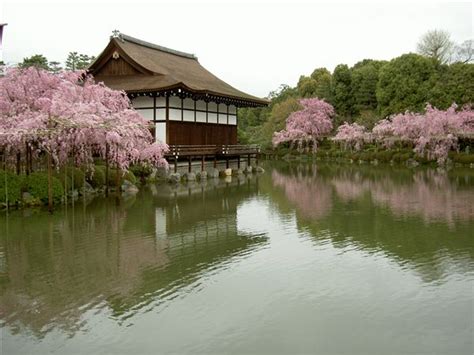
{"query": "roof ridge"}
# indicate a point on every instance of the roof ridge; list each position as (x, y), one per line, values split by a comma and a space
(124, 37)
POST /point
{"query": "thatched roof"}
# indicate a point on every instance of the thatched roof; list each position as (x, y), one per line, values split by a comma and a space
(137, 66)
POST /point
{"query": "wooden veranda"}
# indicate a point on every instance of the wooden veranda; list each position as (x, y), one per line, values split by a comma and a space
(211, 153)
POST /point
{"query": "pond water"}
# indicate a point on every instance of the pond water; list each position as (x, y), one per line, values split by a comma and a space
(323, 259)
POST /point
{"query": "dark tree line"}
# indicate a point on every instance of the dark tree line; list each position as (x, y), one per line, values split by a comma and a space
(74, 61)
(371, 89)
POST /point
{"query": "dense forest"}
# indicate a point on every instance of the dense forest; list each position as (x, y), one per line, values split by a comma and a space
(365, 93)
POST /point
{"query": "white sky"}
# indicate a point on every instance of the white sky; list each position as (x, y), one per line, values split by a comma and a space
(253, 45)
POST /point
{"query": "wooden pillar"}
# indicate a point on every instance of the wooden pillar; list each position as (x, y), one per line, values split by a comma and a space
(215, 161)
(227, 163)
(189, 164)
(167, 116)
(238, 162)
(256, 159)
(106, 169)
(203, 162)
(248, 160)
(175, 164)
(18, 163)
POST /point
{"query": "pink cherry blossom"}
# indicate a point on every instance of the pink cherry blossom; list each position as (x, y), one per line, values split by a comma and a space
(308, 125)
(71, 117)
(352, 136)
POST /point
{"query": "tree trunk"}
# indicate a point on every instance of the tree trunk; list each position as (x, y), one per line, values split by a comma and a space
(106, 169)
(5, 176)
(50, 187)
(18, 163)
(27, 160)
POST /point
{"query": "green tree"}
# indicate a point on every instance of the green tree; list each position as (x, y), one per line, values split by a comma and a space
(37, 60)
(277, 120)
(316, 85)
(455, 84)
(54, 66)
(342, 99)
(405, 84)
(306, 86)
(323, 78)
(365, 76)
(76, 61)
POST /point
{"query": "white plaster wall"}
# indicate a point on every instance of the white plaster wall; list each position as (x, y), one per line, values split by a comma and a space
(142, 101)
(200, 105)
(161, 101)
(222, 118)
(223, 108)
(212, 117)
(160, 131)
(175, 101)
(212, 106)
(188, 116)
(161, 114)
(200, 116)
(146, 113)
(175, 114)
(188, 103)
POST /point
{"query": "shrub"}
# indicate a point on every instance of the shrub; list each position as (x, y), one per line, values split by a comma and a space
(463, 158)
(97, 177)
(112, 181)
(141, 171)
(14, 187)
(384, 156)
(73, 174)
(130, 177)
(37, 184)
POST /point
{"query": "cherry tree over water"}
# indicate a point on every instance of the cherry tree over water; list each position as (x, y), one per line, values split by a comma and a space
(69, 116)
(71, 119)
(432, 134)
(307, 126)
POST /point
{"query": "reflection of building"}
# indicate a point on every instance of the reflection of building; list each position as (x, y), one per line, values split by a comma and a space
(120, 257)
(187, 104)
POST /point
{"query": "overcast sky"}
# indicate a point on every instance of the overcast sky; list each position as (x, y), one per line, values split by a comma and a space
(253, 45)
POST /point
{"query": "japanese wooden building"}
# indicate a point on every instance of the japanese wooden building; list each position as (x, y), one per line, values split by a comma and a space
(187, 104)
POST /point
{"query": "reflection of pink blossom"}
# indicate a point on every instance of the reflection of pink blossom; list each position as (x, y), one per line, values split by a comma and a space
(310, 195)
(430, 194)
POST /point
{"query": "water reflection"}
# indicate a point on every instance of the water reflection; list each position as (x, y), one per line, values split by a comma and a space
(117, 258)
(423, 219)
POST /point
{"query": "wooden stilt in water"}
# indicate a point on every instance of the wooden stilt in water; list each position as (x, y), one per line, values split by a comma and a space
(175, 164)
(203, 162)
(106, 169)
(238, 162)
(189, 164)
(215, 162)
